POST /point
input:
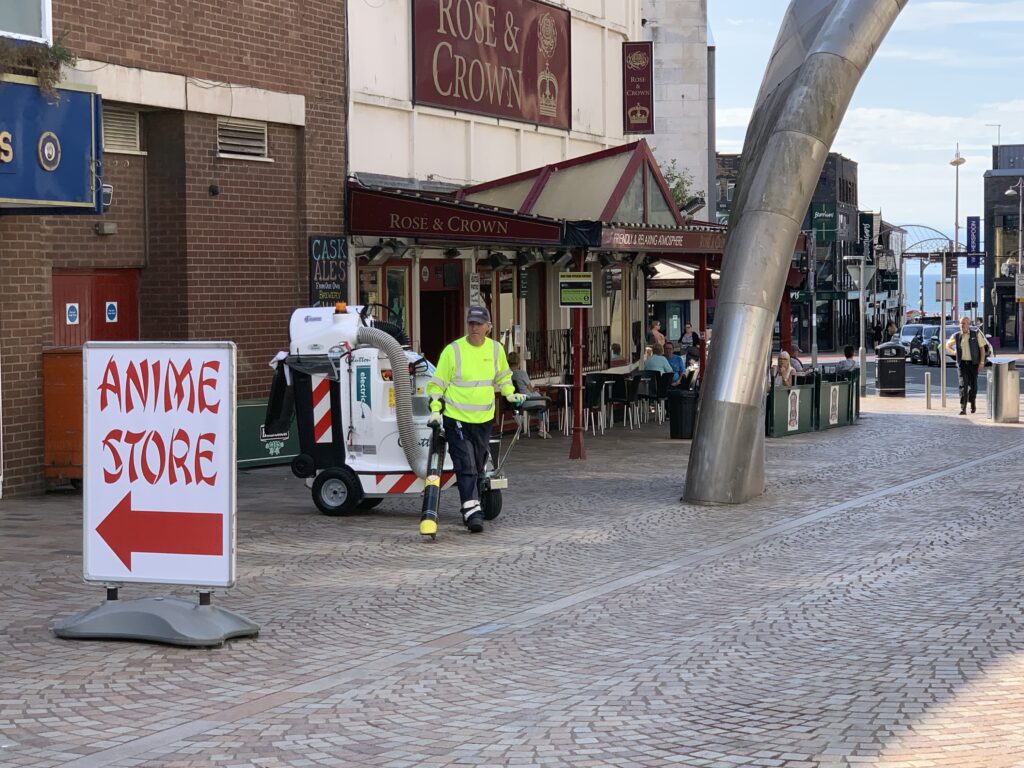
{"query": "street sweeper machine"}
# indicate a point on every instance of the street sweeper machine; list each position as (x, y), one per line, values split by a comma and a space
(359, 398)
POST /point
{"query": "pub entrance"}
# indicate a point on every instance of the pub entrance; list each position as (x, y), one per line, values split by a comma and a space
(440, 318)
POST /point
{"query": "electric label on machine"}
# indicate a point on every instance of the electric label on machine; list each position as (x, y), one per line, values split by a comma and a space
(391, 398)
(363, 385)
(159, 473)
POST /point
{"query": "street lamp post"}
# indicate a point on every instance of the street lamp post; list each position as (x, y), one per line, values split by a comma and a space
(1017, 190)
(956, 162)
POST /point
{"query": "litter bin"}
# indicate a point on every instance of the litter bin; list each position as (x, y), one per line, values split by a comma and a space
(682, 414)
(1003, 391)
(891, 369)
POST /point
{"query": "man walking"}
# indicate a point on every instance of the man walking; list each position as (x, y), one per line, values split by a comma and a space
(969, 345)
(469, 372)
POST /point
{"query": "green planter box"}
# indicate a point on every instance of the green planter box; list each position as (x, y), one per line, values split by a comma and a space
(835, 404)
(255, 447)
(792, 410)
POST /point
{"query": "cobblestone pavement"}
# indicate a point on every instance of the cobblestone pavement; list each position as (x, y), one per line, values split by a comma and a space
(864, 611)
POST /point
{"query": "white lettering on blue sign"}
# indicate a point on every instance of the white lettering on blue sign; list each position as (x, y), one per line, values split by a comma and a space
(71, 313)
(111, 312)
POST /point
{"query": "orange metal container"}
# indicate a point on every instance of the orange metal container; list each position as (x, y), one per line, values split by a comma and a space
(62, 413)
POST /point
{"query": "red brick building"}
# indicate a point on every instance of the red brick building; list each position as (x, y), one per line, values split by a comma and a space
(224, 142)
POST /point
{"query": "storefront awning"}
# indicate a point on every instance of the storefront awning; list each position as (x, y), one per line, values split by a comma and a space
(431, 218)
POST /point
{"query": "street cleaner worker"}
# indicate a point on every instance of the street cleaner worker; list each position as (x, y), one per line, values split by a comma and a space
(469, 372)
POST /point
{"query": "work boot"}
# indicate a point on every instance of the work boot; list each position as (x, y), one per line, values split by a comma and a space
(473, 516)
(974, 408)
(963, 410)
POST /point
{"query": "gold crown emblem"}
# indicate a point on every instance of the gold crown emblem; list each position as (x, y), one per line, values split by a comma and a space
(638, 113)
(547, 93)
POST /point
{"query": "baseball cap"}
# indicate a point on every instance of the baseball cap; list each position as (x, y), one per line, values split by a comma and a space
(478, 315)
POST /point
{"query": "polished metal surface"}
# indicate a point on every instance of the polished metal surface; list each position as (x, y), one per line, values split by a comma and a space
(1003, 391)
(822, 50)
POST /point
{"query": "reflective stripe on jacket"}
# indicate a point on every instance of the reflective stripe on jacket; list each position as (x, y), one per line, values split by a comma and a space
(467, 378)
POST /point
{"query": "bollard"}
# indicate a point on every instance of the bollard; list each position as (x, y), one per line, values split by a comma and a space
(928, 390)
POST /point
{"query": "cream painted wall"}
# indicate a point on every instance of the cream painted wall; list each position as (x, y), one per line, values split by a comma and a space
(389, 135)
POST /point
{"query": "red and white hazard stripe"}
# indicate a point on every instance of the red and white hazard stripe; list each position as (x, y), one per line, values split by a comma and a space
(322, 409)
(400, 482)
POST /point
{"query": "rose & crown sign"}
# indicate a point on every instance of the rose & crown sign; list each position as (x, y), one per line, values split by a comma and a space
(503, 58)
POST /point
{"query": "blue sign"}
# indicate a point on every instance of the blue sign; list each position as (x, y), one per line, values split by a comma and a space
(973, 262)
(111, 311)
(974, 234)
(51, 154)
(71, 311)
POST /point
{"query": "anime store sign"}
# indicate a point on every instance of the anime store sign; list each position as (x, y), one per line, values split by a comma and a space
(502, 58)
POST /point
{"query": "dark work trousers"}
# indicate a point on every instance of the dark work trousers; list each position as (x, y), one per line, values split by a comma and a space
(468, 446)
(968, 383)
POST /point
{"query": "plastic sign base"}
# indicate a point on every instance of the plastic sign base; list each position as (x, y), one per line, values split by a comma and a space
(169, 620)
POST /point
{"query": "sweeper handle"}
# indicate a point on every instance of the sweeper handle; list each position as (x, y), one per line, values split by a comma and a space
(432, 482)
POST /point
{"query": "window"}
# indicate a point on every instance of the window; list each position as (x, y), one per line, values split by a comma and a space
(120, 130)
(241, 138)
(615, 300)
(369, 286)
(26, 20)
(398, 296)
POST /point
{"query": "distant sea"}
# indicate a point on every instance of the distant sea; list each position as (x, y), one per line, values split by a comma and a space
(965, 288)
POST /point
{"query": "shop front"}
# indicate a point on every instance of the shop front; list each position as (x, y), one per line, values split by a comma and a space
(421, 260)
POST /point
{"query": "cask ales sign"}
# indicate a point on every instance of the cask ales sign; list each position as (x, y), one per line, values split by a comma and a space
(502, 58)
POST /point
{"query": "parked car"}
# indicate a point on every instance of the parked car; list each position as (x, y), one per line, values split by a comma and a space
(908, 333)
(931, 341)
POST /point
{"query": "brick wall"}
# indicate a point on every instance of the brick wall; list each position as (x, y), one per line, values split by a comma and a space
(231, 266)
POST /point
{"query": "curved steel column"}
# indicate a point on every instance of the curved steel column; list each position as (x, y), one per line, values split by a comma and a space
(823, 48)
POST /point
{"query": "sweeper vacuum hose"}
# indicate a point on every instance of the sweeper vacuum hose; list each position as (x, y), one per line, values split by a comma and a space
(383, 341)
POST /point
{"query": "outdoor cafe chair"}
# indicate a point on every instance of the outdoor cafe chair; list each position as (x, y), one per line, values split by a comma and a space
(624, 393)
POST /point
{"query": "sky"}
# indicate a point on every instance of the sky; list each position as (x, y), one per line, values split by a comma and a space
(947, 72)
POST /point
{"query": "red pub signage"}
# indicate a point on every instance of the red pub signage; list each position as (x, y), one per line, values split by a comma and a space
(503, 58)
(389, 214)
(638, 87)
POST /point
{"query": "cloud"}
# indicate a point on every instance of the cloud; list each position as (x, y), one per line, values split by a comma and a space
(741, 22)
(947, 13)
(949, 58)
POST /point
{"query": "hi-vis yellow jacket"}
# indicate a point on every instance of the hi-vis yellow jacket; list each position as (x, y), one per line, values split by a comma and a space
(467, 378)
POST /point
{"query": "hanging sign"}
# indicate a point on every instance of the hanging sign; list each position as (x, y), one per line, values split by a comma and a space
(638, 87)
(575, 289)
(159, 474)
(823, 221)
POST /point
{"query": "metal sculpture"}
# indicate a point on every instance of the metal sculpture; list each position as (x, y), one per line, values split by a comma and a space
(822, 50)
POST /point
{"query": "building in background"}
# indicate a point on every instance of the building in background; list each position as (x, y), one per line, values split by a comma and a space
(833, 214)
(684, 105)
(1002, 235)
(224, 150)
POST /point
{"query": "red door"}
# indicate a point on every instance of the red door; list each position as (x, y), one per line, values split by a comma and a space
(100, 305)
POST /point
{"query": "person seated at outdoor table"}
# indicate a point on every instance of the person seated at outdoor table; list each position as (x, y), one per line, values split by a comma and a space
(848, 363)
(674, 360)
(521, 381)
(658, 362)
(691, 375)
(784, 374)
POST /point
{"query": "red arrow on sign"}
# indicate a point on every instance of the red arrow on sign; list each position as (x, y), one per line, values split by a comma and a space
(127, 530)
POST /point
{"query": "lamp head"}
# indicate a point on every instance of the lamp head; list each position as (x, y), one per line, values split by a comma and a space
(958, 160)
(1011, 192)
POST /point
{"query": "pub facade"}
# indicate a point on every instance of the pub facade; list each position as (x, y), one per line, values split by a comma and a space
(493, 121)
